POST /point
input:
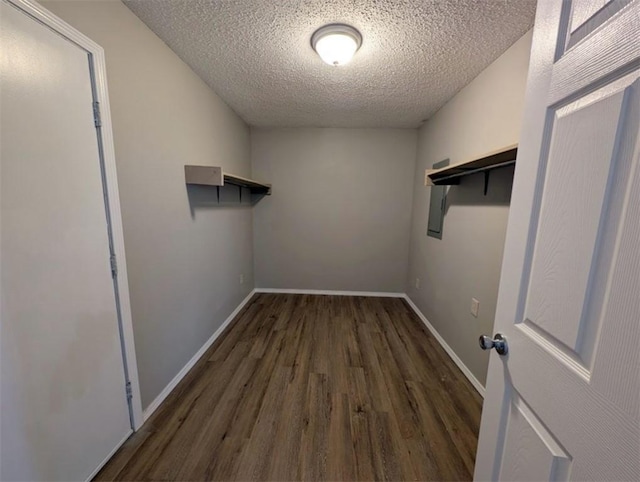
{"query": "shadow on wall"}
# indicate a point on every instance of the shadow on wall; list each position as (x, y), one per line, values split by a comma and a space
(228, 196)
(470, 191)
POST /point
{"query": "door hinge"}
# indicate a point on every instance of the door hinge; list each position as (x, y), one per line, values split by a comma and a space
(114, 265)
(129, 391)
(97, 120)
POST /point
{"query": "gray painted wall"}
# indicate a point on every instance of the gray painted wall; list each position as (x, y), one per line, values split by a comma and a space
(484, 116)
(339, 215)
(184, 258)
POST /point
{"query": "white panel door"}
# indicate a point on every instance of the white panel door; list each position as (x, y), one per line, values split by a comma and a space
(564, 402)
(64, 406)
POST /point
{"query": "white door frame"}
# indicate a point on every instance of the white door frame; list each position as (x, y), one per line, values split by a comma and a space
(105, 133)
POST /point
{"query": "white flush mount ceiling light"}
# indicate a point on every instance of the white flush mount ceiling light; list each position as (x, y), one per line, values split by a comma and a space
(336, 43)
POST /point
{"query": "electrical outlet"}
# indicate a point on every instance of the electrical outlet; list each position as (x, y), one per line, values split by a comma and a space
(241, 279)
(417, 283)
(475, 306)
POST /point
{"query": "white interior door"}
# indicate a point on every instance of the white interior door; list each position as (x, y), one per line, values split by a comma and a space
(64, 406)
(564, 403)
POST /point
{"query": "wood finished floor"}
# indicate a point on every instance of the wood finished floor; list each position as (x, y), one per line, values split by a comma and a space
(304, 387)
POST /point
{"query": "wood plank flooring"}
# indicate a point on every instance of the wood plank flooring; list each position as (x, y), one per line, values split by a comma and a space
(304, 387)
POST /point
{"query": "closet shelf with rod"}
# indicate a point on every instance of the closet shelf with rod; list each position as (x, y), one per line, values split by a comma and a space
(450, 175)
(214, 176)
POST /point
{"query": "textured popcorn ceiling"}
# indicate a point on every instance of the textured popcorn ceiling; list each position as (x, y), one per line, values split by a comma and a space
(415, 55)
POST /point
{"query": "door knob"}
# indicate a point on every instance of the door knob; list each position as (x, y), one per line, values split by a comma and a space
(499, 342)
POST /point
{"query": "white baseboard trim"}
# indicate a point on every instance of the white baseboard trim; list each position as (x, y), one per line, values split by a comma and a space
(376, 294)
(153, 406)
(470, 376)
(108, 457)
(465, 370)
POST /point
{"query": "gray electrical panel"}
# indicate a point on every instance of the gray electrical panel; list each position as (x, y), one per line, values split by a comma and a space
(437, 206)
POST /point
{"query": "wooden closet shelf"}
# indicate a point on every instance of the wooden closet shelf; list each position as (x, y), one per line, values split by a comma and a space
(451, 174)
(214, 176)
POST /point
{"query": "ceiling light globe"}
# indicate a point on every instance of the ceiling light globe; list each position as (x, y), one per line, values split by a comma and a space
(336, 44)
(336, 49)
